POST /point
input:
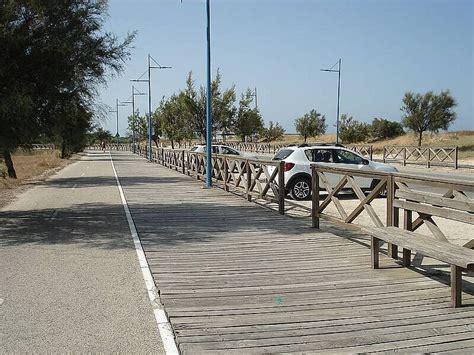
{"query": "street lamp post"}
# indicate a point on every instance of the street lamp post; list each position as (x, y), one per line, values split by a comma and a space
(157, 66)
(117, 113)
(338, 92)
(138, 93)
(208, 101)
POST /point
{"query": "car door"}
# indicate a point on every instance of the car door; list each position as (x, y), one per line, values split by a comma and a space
(324, 157)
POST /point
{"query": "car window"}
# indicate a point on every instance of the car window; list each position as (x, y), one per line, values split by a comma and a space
(227, 150)
(215, 149)
(346, 157)
(283, 154)
(193, 149)
(319, 155)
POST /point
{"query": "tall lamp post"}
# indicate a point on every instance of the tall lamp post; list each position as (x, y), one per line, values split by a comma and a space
(338, 71)
(208, 101)
(117, 104)
(138, 93)
(156, 66)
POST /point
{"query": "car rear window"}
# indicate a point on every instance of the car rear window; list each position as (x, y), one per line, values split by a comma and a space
(283, 154)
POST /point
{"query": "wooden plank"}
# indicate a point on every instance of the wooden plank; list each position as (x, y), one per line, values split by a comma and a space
(428, 198)
(435, 211)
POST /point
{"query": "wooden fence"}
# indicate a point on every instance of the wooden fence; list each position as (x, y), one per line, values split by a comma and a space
(255, 179)
(112, 146)
(427, 197)
(441, 156)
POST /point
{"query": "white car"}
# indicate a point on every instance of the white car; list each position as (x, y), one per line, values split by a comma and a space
(298, 161)
(222, 149)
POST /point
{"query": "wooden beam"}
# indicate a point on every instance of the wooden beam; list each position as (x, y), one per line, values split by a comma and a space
(456, 286)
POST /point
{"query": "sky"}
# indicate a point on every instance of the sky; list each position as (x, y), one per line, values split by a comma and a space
(387, 47)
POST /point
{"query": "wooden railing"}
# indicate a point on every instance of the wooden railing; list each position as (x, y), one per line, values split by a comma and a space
(256, 179)
(112, 146)
(441, 156)
(426, 197)
(49, 146)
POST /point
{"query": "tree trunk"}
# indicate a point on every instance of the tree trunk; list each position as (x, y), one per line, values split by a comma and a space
(420, 136)
(172, 144)
(9, 163)
(305, 138)
(63, 150)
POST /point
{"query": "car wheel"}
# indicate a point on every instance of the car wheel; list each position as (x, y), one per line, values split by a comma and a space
(300, 189)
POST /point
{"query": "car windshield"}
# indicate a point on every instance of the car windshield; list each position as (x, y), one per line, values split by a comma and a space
(193, 149)
(346, 157)
(283, 154)
(227, 150)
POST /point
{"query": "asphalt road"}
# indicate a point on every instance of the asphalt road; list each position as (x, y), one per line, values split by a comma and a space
(70, 280)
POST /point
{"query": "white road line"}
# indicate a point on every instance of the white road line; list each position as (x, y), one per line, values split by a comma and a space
(164, 326)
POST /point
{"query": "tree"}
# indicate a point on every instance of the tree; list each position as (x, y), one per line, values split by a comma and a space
(98, 135)
(273, 132)
(248, 121)
(140, 124)
(311, 124)
(54, 53)
(428, 112)
(383, 129)
(352, 131)
(173, 118)
(223, 109)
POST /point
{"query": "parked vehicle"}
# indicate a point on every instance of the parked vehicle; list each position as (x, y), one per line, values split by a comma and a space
(298, 161)
(222, 149)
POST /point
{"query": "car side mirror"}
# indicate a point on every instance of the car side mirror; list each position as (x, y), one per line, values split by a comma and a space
(365, 162)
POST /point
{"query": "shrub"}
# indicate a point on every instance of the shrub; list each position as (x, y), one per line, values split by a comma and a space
(383, 129)
(352, 131)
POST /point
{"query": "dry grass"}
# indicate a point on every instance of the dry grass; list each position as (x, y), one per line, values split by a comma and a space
(29, 166)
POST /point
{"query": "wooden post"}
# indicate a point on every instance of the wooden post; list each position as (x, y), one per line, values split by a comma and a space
(183, 161)
(281, 187)
(404, 156)
(456, 156)
(249, 182)
(406, 261)
(384, 153)
(374, 251)
(428, 162)
(315, 197)
(226, 173)
(456, 286)
(392, 249)
(371, 150)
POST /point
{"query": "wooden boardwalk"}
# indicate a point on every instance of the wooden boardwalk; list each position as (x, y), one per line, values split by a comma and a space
(237, 277)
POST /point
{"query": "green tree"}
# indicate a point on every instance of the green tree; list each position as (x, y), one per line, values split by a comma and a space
(273, 132)
(223, 106)
(311, 124)
(248, 121)
(52, 53)
(383, 129)
(353, 131)
(428, 112)
(173, 117)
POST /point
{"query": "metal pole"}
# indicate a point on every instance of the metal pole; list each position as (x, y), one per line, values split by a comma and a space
(149, 109)
(209, 104)
(133, 119)
(338, 97)
(117, 111)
